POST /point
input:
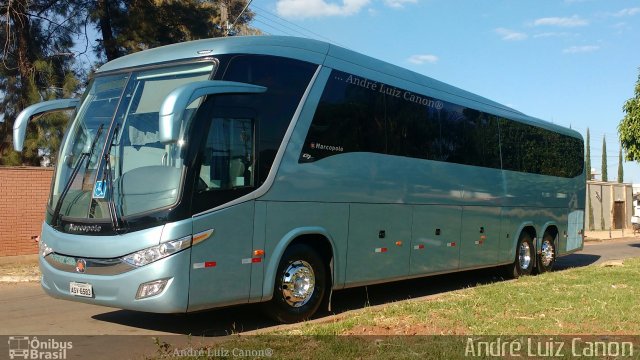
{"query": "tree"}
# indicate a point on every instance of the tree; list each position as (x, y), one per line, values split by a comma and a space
(129, 26)
(587, 159)
(604, 159)
(620, 169)
(629, 127)
(36, 36)
(588, 167)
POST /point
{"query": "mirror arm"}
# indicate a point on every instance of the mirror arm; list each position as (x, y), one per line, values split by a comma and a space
(20, 125)
(176, 102)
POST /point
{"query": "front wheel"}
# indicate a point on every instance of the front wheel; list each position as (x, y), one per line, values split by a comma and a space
(523, 263)
(547, 256)
(300, 285)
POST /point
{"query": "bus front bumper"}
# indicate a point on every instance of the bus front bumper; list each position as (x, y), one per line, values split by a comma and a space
(120, 290)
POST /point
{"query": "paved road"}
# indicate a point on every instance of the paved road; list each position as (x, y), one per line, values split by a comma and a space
(26, 310)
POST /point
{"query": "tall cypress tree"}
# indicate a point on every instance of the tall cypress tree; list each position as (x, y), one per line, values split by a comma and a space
(587, 159)
(587, 165)
(620, 170)
(604, 160)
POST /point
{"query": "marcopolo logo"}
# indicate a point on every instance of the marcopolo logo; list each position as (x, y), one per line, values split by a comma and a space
(85, 228)
(25, 347)
(319, 146)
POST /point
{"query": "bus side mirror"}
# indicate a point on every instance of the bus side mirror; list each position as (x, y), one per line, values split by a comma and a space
(174, 105)
(20, 125)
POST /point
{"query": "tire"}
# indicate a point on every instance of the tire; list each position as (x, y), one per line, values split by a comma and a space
(547, 256)
(523, 262)
(300, 285)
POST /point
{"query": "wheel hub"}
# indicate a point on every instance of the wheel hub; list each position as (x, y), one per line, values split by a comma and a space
(524, 256)
(546, 253)
(298, 283)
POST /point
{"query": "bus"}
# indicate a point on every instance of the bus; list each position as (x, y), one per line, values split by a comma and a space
(277, 170)
(19, 347)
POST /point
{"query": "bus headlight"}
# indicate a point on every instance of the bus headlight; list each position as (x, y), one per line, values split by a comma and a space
(155, 253)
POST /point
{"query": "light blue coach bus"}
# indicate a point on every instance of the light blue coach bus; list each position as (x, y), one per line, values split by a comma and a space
(276, 169)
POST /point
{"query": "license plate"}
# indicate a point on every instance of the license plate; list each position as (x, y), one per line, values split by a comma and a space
(81, 289)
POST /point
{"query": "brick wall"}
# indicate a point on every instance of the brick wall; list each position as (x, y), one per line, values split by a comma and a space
(24, 192)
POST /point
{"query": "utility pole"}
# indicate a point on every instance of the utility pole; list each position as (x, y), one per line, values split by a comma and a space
(224, 18)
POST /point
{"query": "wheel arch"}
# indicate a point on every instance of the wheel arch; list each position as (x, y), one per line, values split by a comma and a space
(527, 227)
(317, 238)
(553, 229)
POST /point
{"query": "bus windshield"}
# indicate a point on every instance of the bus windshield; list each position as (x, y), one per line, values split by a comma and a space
(112, 156)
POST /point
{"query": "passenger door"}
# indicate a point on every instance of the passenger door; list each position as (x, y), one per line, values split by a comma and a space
(221, 260)
(220, 272)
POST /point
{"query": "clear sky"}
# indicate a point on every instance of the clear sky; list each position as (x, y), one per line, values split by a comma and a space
(571, 62)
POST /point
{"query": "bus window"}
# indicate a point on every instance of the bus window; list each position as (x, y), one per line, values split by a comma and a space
(227, 155)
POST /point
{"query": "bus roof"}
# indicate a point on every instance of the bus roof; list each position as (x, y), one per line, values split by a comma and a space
(315, 52)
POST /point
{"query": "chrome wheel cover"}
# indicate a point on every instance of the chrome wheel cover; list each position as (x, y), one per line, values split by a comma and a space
(524, 256)
(298, 283)
(546, 255)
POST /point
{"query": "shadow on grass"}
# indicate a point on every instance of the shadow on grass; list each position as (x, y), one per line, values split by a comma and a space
(575, 260)
(238, 319)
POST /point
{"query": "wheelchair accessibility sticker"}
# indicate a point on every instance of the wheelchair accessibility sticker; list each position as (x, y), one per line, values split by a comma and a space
(100, 190)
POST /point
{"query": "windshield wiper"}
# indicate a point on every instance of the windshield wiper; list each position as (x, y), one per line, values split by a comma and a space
(74, 173)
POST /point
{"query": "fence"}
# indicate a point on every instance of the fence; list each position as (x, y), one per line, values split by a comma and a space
(23, 197)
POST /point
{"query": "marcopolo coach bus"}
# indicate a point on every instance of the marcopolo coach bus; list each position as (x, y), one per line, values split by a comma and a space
(277, 169)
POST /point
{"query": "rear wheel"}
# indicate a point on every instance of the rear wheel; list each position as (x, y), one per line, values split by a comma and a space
(300, 285)
(523, 263)
(547, 257)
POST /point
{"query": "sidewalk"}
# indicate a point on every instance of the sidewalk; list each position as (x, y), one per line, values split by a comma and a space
(609, 234)
(16, 269)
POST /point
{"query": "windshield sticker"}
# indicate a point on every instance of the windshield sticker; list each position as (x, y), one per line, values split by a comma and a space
(99, 190)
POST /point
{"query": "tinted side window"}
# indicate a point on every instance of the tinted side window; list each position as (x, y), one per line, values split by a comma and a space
(357, 114)
(480, 139)
(226, 168)
(535, 150)
(414, 130)
(286, 80)
(349, 118)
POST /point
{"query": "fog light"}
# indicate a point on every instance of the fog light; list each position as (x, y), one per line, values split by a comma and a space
(151, 288)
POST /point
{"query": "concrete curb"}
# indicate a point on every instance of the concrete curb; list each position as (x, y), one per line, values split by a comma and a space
(18, 279)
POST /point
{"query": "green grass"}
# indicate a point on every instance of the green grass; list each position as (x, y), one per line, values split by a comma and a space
(589, 300)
